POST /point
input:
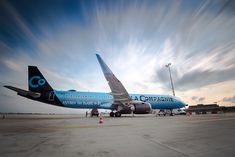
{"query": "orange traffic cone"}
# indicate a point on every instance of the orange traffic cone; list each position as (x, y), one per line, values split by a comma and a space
(189, 114)
(101, 120)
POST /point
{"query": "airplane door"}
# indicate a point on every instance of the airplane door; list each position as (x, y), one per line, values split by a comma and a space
(51, 96)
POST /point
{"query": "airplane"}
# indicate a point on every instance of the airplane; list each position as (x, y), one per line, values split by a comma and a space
(119, 101)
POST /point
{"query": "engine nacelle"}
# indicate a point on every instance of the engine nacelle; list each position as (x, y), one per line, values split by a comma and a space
(140, 107)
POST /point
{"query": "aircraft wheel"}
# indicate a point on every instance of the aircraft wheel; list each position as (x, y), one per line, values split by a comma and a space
(111, 114)
(118, 114)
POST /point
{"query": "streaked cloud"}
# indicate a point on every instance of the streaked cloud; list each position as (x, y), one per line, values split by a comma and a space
(135, 38)
(229, 99)
(197, 98)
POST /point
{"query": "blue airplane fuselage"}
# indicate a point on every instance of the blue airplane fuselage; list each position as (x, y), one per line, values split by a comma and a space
(76, 99)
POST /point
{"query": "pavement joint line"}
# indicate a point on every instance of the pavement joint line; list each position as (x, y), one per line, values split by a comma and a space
(149, 138)
(79, 126)
(210, 120)
(54, 128)
(39, 143)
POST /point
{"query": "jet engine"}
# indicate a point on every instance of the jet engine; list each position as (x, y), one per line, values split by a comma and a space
(140, 107)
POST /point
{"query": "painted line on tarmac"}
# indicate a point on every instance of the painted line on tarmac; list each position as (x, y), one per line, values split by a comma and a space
(79, 126)
(211, 120)
(56, 128)
(151, 139)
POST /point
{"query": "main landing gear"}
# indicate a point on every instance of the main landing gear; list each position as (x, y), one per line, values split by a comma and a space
(171, 112)
(111, 114)
(165, 112)
(116, 114)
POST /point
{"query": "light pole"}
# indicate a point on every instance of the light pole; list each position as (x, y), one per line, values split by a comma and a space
(172, 86)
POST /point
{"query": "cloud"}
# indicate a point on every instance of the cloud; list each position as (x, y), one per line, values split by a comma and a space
(201, 99)
(197, 98)
(197, 79)
(194, 97)
(229, 99)
(136, 40)
(211, 67)
(11, 65)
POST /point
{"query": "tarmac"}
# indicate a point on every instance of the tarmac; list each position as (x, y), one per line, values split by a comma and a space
(139, 136)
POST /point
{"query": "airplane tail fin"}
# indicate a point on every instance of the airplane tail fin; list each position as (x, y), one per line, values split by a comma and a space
(36, 81)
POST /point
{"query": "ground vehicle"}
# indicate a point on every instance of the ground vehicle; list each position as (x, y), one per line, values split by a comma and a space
(161, 113)
(179, 111)
(94, 112)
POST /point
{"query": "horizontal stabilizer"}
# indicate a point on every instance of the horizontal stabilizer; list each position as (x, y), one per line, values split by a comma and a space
(24, 92)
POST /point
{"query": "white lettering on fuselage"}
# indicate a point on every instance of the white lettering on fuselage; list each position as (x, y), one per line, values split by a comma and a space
(152, 98)
(71, 102)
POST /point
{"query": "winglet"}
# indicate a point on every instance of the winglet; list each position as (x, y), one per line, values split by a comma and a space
(104, 67)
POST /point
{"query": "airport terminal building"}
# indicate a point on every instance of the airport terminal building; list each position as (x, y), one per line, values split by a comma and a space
(209, 108)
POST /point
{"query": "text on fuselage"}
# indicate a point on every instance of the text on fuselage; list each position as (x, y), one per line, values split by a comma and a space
(152, 98)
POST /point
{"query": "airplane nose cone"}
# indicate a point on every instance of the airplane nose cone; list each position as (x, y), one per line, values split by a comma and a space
(183, 104)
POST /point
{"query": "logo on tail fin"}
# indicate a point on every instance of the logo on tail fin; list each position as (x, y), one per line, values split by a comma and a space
(38, 82)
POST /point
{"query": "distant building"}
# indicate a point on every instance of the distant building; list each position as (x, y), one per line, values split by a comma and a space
(229, 109)
(205, 108)
(210, 108)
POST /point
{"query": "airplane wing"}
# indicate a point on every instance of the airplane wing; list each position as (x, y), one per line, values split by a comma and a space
(120, 95)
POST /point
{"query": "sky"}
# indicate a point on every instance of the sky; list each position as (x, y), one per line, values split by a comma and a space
(136, 39)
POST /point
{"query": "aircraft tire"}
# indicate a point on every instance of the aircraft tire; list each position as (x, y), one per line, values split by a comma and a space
(118, 114)
(111, 114)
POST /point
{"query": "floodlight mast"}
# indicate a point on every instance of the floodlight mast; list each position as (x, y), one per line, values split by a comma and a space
(172, 86)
